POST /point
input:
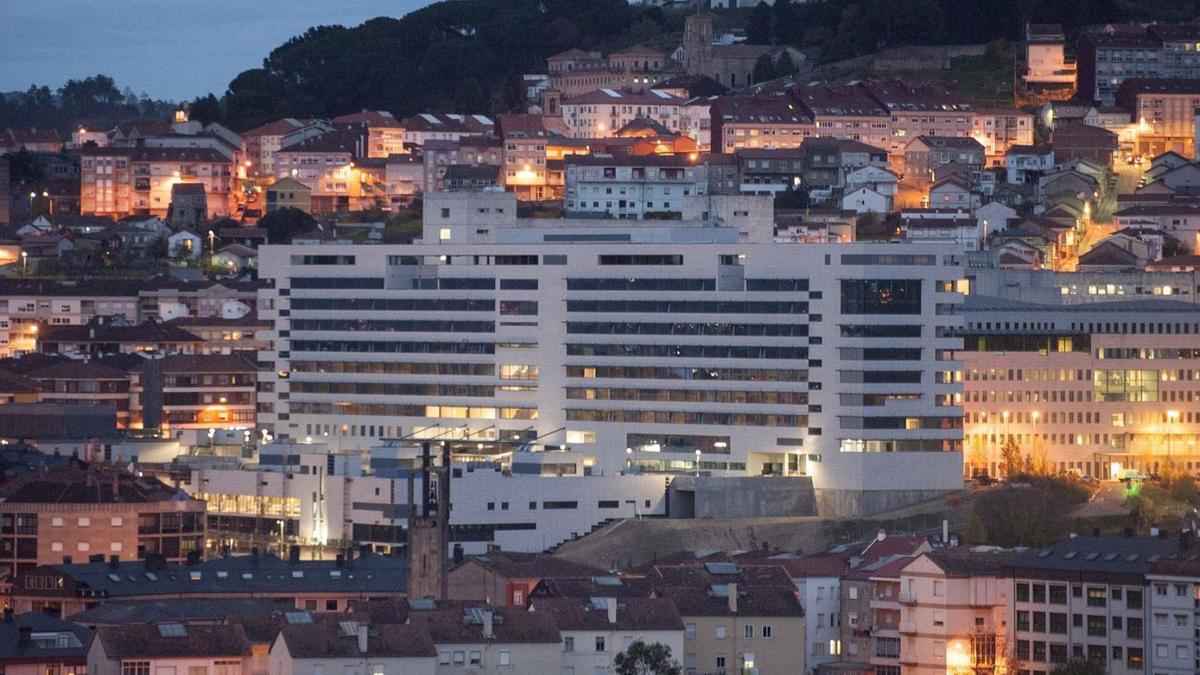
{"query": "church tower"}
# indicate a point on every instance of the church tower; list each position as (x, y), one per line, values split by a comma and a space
(697, 43)
(429, 527)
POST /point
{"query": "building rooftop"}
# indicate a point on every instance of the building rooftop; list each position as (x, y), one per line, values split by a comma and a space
(1096, 554)
(65, 640)
(154, 154)
(107, 332)
(369, 118)
(591, 614)
(329, 638)
(156, 611)
(173, 640)
(465, 625)
(624, 97)
(514, 565)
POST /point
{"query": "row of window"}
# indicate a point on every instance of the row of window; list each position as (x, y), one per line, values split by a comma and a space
(688, 373)
(693, 351)
(690, 396)
(679, 417)
(735, 329)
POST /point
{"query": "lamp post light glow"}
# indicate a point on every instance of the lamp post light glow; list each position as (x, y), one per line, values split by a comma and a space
(958, 657)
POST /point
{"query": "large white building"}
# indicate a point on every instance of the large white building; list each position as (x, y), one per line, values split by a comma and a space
(1093, 388)
(632, 187)
(664, 348)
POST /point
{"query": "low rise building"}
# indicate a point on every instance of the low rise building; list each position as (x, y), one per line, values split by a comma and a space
(595, 629)
(222, 649)
(631, 187)
(35, 643)
(1164, 111)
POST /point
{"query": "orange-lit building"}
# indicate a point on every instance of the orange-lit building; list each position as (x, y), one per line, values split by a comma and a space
(213, 391)
(75, 513)
(385, 133)
(119, 181)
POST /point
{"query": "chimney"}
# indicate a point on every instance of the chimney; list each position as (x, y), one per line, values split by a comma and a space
(66, 560)
(611, 606)
(8, 614)
(458, 553)
(254, 554)
(362, 638)
(733, 599)
(487, 624)
(25, 635)
(945, 531)
(880, 535)
(1095, 532)
(293, 554)
(193, 557)
(114, 561)
(340, 561)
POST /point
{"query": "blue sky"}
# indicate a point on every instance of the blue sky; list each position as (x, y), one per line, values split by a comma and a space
(172, 49)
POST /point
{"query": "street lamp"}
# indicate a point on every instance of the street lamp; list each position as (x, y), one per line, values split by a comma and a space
(697, 462)
(46, 196)
(25, 263)
(31, 196)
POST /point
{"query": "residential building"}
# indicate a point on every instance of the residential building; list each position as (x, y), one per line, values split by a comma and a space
(595, 629)
(631, 187)
(73, 512)
(98, 382)
(468, 151)
(924, 154)
(27, 305)
(1000, 129)
(771, 171)
(35, 643)
(1046, 64)
(1025, 164)
(309, 585)
(222, 335)
(106, 335)
(425, 127)
(508, 578)
(263, 142)
(1164, 111)
(1080, 141)
(600, 113)
(575, 71)
(1085, 598)
(122, 181)
(322, 646)
(1110, 54)
(13, 141)
(404, 177)
(1179, 222)
(493, 639)
(1172, 604)
(953, 192)
(1079, 388)
(818, 585)
(954, 611)
(193, 392)
(325, 164)
(758, 121)
(525, 157)
(906, 292)
(735, 617)
(846, 111)
(920, 110)
(289, 193)
(118, 650)
(385, 134)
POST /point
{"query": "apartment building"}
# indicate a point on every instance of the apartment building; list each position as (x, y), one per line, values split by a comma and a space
(574, 357)
(600, 113)
(1085, 598)
(1164, 112)
(169, 647)
(637, 68)
(595, 629)
(526, 171)
(183, 391)
(71, 512)
(1111, 54)
(385, 133)
(424, 127)
(763, 121)
(325, 164)
(954, 612)
(469, 151)
(924, 155)
(846, 111)
(264, 141)
(1093, 389)
(1175, 588)
(631, 188)
(123, 181)
(1046, 64)
(999, 130)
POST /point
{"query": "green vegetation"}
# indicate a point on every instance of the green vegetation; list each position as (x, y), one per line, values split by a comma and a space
(1079, 667)
(1034, 514)
(93, 102)
(640, 658)
(283, 224)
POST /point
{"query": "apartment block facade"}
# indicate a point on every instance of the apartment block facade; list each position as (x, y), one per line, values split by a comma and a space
(565, 333)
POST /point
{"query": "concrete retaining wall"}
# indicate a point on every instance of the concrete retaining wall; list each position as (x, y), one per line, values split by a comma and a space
(741, 496)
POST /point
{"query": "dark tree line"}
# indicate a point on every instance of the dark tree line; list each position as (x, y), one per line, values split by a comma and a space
(93, 102)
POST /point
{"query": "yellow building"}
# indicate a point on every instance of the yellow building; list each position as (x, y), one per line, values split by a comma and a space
(289, 193)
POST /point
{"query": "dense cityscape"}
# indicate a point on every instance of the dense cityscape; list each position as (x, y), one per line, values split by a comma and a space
(692, 347)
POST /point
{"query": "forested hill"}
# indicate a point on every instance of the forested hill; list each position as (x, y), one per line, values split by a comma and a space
(456, 55)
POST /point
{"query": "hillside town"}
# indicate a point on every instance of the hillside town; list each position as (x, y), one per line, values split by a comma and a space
(706, 359)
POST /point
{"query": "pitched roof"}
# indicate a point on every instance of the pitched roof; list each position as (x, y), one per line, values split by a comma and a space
(632, 613)
(369, 118)
(93, 331)
(156, 611)
(156, 641)
(160, 154)
(462, 625)
(329, 639)
(15, 650)
(755, 601)
(514, 565)
(202, 363)
(624, 97)
(1097, 554)
(96, 484)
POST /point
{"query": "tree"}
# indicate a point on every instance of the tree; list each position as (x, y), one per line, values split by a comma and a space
(205, 110)
(783, 21)
(1010, 458)
(758, 26)
(1078, 667)
(469, 98)
(643, 659)
(764, 69)
(1184, 489)
(281, 225)
(974, 531)
(785, 65)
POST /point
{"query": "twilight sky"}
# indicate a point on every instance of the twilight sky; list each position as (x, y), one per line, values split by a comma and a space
(173, 49)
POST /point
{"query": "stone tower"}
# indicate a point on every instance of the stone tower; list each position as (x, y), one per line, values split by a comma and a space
(697, 44)
(429, 527)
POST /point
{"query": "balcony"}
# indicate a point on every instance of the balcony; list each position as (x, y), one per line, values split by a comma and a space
(907, 598)
(908, 627)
